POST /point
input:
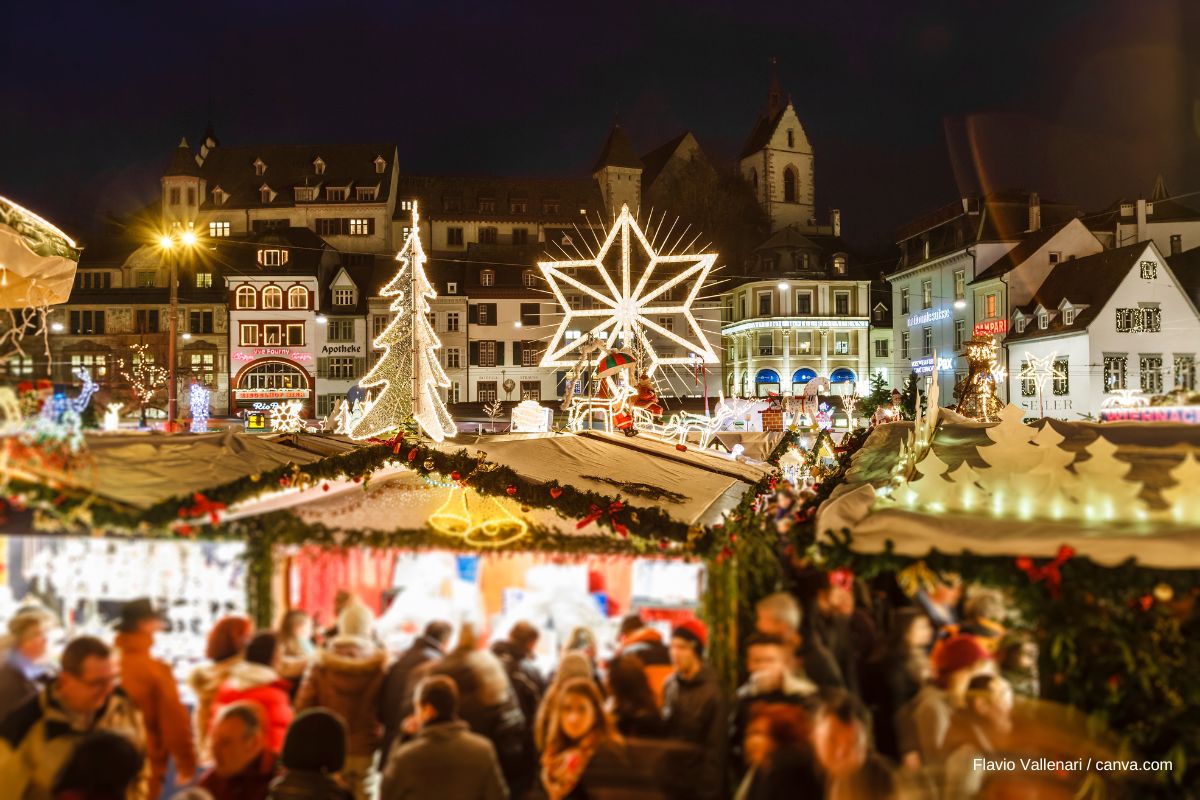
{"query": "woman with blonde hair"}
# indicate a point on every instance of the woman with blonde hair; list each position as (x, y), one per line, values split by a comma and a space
(584, 755)
(572, 666)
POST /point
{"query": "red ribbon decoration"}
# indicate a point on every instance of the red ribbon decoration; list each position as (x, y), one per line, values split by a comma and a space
(1048, 572)
(205, 507)
(596, 512)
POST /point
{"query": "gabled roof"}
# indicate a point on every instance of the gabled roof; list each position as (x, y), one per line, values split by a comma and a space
(617, 152)
(654, 161)
(361, 275)
(1186, 266)
(1024, 249)
(430, 191)
(1089, 281)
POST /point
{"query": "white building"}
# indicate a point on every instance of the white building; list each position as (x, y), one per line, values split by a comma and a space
(1119, 319)
(1172, 225)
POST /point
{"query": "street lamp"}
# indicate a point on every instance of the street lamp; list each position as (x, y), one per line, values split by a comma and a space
(173, 242)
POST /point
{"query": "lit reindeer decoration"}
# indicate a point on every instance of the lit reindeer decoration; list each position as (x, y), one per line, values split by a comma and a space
(584, 409)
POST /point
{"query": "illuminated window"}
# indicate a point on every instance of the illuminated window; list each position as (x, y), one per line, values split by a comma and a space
(218, 229)
(297, 297)
(203, 280)
(272, 334)
(244, 298)
(841, 343)
(272, 257)
(362, 227)
(319, 166)
(272, 297)
(990, 303)
(1114, 372)
(927, 294)
(1061, 385)
(1151, 374)
(249, 334)
(839, 265)
(343, 296)
(1028, 384)
(96, 365)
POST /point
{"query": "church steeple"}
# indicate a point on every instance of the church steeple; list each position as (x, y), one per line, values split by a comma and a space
(775, 101)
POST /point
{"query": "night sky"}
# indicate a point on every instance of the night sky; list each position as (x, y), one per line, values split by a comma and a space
(907, 104)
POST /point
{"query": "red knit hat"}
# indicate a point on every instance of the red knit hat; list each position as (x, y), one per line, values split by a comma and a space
(692, 630)
(958, 652)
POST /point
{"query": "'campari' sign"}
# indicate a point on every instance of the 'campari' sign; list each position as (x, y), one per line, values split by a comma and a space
(996, 327)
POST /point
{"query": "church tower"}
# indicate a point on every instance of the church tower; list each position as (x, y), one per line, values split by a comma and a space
(618, 170)
(777, 161)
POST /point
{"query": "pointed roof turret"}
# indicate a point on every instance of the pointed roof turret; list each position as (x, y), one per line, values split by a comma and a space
(1160, 190)
(617, 151)
(777, 102)
(182, 162)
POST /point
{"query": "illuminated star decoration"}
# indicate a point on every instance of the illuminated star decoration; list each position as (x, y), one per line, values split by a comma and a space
(1040, 370)
(628, 309)
(285, 417)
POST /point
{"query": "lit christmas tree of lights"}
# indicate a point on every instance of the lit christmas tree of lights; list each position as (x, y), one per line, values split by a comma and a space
(408, 371)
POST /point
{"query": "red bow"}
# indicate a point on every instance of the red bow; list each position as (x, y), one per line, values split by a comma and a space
(203, 506)
(597, 512)
(1047, 572)
(842, 577)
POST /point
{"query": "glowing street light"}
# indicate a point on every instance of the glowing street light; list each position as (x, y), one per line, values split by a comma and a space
(187, 239)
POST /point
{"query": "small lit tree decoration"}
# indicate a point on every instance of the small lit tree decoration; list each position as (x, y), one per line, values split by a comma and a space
(626, 308)
(285, 417)
(198, 404)
(338, 420)
(1040, 370)
(529, 416)
(145, 379)
(979, 400)
(112, 416)
(493, 411)
(408, 370)
(850, 405)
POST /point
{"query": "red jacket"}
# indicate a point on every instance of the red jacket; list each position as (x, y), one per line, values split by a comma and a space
(261, 685)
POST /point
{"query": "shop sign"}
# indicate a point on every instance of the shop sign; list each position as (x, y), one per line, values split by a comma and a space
(807, 323)
(257, 422)
(268, 352)
(1188, 414)
(924, 366)
(334, 349)
(270, 394)
(996, 327)
(927, 316)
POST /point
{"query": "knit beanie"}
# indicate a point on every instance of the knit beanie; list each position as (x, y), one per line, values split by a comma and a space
(356, 620)
(693, 632)
(315, 742)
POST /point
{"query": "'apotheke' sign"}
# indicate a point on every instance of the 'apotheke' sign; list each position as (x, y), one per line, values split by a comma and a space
(335, 349)
(927, 316)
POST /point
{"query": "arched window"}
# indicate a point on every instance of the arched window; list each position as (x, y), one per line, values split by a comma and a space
(789, 185)
(272, 297)
(297, 297)
(766, 380)
(841, 375)
(273, 375)
(245, 297)
(803, 375)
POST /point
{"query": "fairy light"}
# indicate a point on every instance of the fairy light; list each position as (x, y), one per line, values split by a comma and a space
(627, 311)
(198, 404)
(408, 370)
(285, 417)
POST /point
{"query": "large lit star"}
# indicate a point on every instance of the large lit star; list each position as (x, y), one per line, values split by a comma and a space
(627, 311)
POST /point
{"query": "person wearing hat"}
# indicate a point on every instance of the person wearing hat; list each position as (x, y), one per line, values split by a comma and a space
(695, 709)
(151, 685)
(23, 671)
(313, 753)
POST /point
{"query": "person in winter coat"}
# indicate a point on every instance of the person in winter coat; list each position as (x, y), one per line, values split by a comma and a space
(295, 645)
(151, 685)
(922, 724)
(488, 705)
(516, 654)
(396, 698)
(314, 752)
(572, 665)
(445, 760)
(38, 738)
(772, 679)
(346, 677)
(255, 680)
(631, 700)
(23, 671)
(244, 767)
(640, 640)
(895, 674)
(223, 650)
(104, 766)
(695, 710)
(585, 756)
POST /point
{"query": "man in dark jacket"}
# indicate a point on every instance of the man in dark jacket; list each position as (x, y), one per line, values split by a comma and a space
(638, 639)
(695, 710)
(23, 673)
(396, 699)
(516, 654)
(445, 760)
(244, 767)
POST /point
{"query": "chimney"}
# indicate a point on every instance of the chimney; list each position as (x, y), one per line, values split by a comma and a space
(1035, 212)
(835, 219)
(1143, 232)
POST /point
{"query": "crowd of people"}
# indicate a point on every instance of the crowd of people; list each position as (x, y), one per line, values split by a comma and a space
(847, 690)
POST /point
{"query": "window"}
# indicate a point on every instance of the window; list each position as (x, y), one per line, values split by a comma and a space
(273, 375)
(264, 225)
(518, 206)
(1068, 316)
(531, 314)
(454, 236)
(487, 235)
(960, 284)
(94, 363)
(306, 193)
(93, 280)
(249, 334)
(990, 303)
(272, 257)
(1055, 256)
(668, 323)
(841, 303)
(881, 348)
(264, 195)
(789, 185)
(1176, 243)
(453, 358)
(146, 279)
(455, 392)
(336, 195)
(218, 229)
(1185, 372)
(203, 280)
(191, 195)
(451, 287)
(530, 352)
(1061, 385)
(804, 342)
(1149, 270)
(766, 344)
(380, 165)
(1144, 319)
(520, 236)
(487, 205)
(362, 227)
(244, 297)
(204, 367)
(272, 335)
(531, 390)
(332, 226)
(804, 303)
(529, 279)
(175, 196)
(1114, 372)
(341, 367)
(87, 322)
(927, 294)
(839, 265)
(297, 297)
(379, 324)
(880, 308)
(340, 330)
(927, 341)
(200, 321)
(960, 334)
(904, 344)
(486, 391)
(1028, 384)
(272, 297)
(145, 320)
(487, 354)
(841, 343)
(550, 207)
(1020, 324)
(1043, 320)
(295, 334)
(19, 366)
(259, 166)
(791, 138)
(904, 300)
(365, 193)
(343, 296)
(1151, 374)
(484, 312)
(487, 277)
(764, 304)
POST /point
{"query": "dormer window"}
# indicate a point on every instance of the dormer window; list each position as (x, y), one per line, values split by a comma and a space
(219, 196)
(365, 192)
(265, 195)
(319, 166)
(1043, 320)
(336, 194)
(487, 205)
(1020, 324)
(272, 257)
(839, 265)
(487, 277)
(380, 165)
(306, 193)
(260, 166)
(343, 296)
(1068, 316)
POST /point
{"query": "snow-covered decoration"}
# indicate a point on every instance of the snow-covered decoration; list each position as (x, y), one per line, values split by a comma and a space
(627, 309)
(703, 425)
(112, 416)
(791, 463)
(198, 396)
(529, 416)
(338, 418)
(285, 417)
(408, 370)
